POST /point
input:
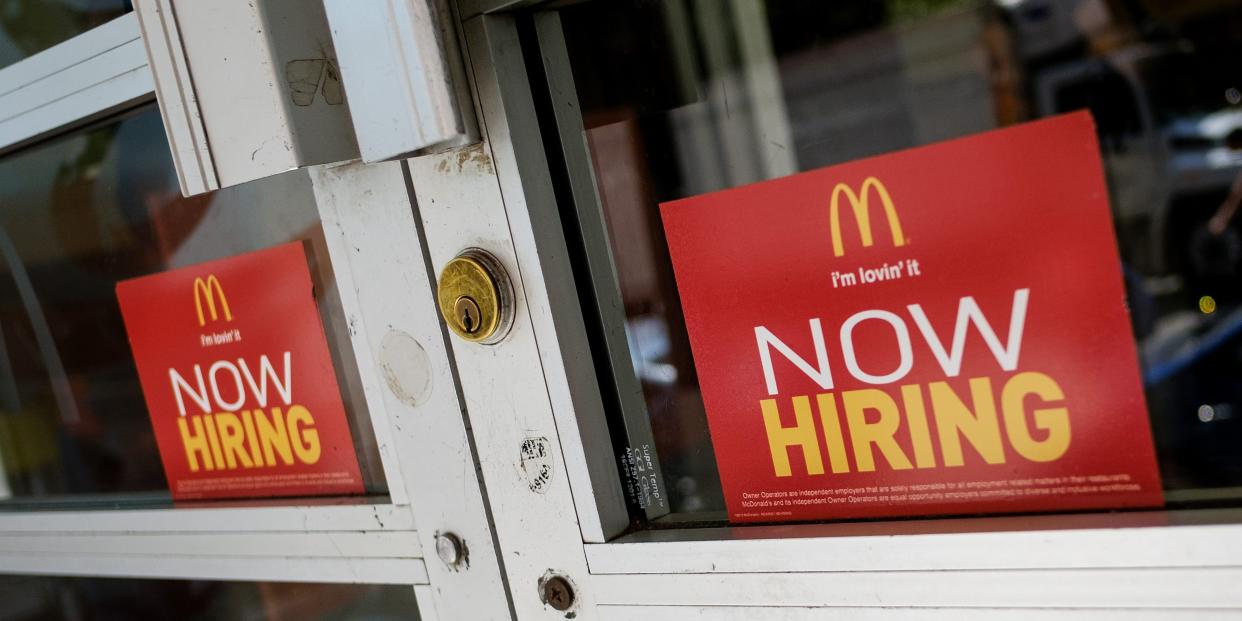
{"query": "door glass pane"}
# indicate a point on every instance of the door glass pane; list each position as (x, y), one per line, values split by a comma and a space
(77, 215)
(38, 598)
(28, 27)
(686, 97)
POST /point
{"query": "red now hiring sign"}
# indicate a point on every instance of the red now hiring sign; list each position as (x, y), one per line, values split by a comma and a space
(238, 380)
(938, 330)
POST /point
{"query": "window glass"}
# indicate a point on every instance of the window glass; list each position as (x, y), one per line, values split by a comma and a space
(685, 97)
(77, 215)
(28, 27)
(30, 598)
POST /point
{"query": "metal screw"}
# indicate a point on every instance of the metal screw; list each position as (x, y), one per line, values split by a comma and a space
(468, 313)
(558, 594)
(449, 549)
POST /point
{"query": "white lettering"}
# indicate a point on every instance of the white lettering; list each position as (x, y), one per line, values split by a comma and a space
(179, 385)
(228, 406)
(765, 340)
(968, 312)
(265, 371)
(903, 346)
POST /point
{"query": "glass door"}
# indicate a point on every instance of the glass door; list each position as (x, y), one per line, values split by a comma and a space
(590, 421)
(728, 95)
(113, 502)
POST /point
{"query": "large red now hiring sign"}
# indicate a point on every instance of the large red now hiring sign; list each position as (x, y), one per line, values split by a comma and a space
(938, 330)
(238, 379)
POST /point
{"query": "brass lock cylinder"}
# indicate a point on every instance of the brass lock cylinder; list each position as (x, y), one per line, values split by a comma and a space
(476, 297)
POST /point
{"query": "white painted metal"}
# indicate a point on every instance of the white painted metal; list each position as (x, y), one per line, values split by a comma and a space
(411, 390)
(179, 109)
(788, 613)
(1060, 588)
(231, 568)
(360, 544)
(340, 194)
(302, 517)
(249, 88)
(83, 78)
(503, 387)
(517, 431)
(71, 79)
(532, 224)
(424, 596)
(46, 65)
(1096, 541)
(400, 62)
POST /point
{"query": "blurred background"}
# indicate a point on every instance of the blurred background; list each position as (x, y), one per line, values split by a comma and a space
(684, 97)
(78, 213)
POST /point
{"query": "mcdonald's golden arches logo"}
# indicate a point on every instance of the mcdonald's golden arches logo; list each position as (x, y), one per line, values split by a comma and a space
(211, 292)
(862, 213)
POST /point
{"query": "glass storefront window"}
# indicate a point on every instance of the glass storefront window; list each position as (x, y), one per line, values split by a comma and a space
(682, 98)
(77, 215)
(28, 27)
(30, 598)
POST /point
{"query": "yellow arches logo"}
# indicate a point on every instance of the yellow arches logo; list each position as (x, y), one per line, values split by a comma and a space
(862, 213)
(209, 290)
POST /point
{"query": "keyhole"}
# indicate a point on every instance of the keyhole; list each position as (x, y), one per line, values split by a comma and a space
(468, 314)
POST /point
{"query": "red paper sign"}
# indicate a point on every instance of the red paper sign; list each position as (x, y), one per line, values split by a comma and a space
(938, 330)
(238, 380)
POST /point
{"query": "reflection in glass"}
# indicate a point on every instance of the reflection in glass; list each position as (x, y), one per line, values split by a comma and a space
(685, 97)
(28, 27)
(77, 215)
(73, 599)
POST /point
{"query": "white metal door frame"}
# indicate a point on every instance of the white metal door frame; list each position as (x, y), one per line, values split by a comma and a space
(89, 76)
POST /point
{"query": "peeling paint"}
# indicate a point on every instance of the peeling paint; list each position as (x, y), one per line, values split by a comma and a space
(406, 368)
(467, 159)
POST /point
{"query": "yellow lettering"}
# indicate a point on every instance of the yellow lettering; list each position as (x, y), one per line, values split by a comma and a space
(920, 437)
(976, 420)
(213, 440)
(252, 439)
(801, 434)
(1053, 420)
(832, 433)
(273, 436)
(208, 290)
(954, 420)
(862, 214)
(232, 440)
(195, 443)
(305, 441)
(879, 433)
